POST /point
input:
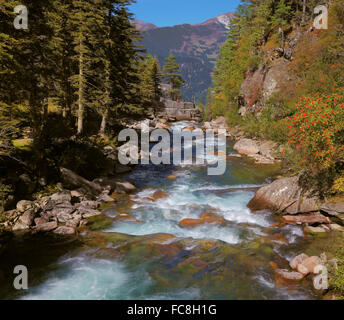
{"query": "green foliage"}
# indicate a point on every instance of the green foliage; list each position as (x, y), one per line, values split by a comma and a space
(336, 276)
(172, 75)
(150, 80)
(46, 191)
(80, 54)
(338, 186)
(5, 190)
(316, 130)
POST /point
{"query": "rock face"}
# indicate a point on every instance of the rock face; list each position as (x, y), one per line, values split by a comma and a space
(269, 78)
(284, 195)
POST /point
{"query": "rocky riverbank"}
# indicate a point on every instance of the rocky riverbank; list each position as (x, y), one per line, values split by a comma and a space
(65, 211)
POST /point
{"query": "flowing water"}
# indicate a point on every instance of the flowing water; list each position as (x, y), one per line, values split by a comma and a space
(159, 259)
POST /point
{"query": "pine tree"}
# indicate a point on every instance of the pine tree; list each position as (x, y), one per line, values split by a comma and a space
(172, 75)
(150, 79)
(59, 20)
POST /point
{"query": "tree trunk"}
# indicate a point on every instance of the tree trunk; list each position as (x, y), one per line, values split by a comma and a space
(103, 123)
(81, 91)
(304, 6)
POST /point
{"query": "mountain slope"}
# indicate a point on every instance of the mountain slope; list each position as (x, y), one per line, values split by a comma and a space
(195, 47)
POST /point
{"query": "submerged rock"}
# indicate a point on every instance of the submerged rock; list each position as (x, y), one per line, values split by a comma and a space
(159, 194)
(204, 219)
(289, 275)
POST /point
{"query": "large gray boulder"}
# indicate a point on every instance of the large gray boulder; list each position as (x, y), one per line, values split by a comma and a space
(284, 195)
(25, 220)
(71, 180)
(247, 147)
(334, 209)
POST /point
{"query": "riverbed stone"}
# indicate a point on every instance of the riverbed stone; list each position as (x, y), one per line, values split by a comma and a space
(289, 275)
(25, 220)
(246, 147)
(61, 197)
(24, 205)
(159, 194)
(125, 187)
(307, 218)
(204, 219)
(64, 217)
(336, 227)
(64, 230)
(297, 260)
(334, 208)
(46, 227)
(87, 212)
(315, 230)
(307, 266)
(88, 204)
(39, 221)
(126, 218)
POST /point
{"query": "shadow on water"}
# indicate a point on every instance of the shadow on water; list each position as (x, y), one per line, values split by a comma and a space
(38, 252)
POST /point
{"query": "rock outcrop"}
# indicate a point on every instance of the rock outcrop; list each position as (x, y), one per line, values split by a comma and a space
(285, 196)
(263, 152)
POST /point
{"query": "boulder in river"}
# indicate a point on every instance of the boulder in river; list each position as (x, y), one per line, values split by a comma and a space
(334, 209)
(305, 218)
(284, 195)
(205, 218)
(297, 260)
(159, 194)
(125, 187)
(308, 265)
(246, 147)
(289, 275)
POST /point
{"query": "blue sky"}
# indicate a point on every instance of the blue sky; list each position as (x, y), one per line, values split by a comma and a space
(172, 12)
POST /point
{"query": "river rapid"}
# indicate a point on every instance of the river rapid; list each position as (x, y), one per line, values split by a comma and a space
(159, 259)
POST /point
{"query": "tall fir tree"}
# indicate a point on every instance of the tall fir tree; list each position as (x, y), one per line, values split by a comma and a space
(172, 75)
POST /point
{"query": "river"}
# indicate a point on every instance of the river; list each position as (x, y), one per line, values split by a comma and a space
(159, 259)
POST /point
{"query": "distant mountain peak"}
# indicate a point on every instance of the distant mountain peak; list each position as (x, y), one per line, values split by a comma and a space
(144, 26)
(195, 46)
(223, 19)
